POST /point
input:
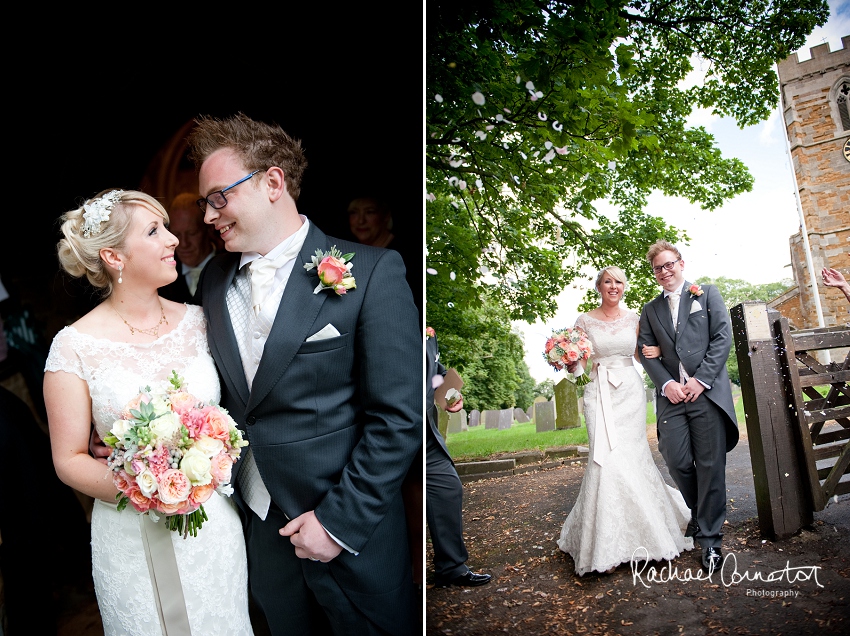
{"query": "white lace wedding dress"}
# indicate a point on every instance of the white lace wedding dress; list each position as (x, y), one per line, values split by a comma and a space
(624, 507)
(213, 564)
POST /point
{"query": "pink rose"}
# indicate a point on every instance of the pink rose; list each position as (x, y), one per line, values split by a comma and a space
(196, 421)
(572, 354)
(331, 270)
(200, 494)
(174, 486)
(221, 467)
(122, 481)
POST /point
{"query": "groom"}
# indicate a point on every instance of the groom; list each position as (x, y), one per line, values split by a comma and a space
(325, 378)
(694, 410)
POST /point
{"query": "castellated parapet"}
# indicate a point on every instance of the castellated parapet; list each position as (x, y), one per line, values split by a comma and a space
(812, 94)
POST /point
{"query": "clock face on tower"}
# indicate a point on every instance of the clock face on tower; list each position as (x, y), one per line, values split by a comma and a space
(847, 149)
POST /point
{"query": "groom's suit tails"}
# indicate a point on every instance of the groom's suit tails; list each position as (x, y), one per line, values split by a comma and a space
(694, 437)
(333, 425)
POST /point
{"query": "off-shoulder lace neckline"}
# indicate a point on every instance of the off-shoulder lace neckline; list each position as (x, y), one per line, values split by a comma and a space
(179, 328)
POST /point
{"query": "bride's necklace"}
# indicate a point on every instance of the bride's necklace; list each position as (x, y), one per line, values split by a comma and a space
(150, 331)
(614, 317)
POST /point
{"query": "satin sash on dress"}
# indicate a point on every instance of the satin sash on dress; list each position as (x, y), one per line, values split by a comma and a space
(165, 577)
(605, 437)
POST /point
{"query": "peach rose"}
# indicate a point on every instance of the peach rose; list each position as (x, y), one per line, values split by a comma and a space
(572, 354)
(331, 270)
(168, 508)
(219, 424)
(138, 499)
(133, 405)
(121, 480)
(182, 401)
(174, 487)
(200, 494)
(221, 467)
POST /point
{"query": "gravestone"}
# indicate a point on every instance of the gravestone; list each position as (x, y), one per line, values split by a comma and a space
(544, 416)
(566, 405)
(474, 418)
(530, 412)
(457, 422)
(442, 422)
(490, 418)
(650, 397)
(520, 416)
(498, 420)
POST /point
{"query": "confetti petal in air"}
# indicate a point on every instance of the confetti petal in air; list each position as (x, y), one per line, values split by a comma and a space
(451, 305)
(539, 94)
(456, 163)
(490, 127)
(484, 270)
(557, 126)
(507, 110)
(500, 117)
(549, 156)
(455, 205)
(478, 98)
(452, 275)
(612, 165)
(453, 181)
(461, 184)
(529, 85)
(431, 197)
(438, 98)
(534, 98)
(548, 145)
(431, 271)
(541, 116)
(481, 134)
(562, 150)
(479, 183)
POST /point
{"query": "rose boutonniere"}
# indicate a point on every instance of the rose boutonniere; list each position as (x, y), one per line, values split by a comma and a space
(695, 290)
(334, 270)
(430, 333)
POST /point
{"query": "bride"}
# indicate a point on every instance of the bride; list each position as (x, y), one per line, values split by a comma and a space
(624, 509)
(120, 242)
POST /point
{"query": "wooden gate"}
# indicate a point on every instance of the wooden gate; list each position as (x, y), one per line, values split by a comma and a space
(819, 398)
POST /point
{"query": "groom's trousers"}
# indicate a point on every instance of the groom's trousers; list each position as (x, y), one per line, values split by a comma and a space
(444, 512)
(692, 440)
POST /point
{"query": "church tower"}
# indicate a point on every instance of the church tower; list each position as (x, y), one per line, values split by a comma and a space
(816, 108)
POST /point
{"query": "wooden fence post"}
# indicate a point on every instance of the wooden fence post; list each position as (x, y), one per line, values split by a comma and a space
(782, 497)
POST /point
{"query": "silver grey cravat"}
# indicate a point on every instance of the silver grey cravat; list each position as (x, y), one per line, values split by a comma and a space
(673, 300)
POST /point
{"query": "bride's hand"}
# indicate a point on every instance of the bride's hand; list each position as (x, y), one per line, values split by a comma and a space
(97, 448)
(650, 352)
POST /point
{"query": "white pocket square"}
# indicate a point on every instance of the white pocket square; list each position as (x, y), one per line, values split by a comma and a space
(695, 306)
(328, 331)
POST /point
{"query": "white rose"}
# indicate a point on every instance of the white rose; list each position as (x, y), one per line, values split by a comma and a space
(120, 428)
(166, 426)
(146, 482)
(196, 466)
(209, 446)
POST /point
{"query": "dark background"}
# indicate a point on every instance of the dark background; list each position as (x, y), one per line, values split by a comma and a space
(90, 109)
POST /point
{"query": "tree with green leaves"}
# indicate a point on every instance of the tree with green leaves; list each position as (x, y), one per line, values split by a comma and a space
(536, 110)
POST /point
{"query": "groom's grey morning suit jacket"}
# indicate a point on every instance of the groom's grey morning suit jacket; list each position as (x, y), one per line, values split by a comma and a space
(701, 345)
(333, 424)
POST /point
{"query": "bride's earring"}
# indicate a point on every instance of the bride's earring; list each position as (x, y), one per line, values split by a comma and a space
(120, 269)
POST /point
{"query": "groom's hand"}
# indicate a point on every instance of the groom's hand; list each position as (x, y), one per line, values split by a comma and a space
(310, 538)
(675, 392)
(693, 389)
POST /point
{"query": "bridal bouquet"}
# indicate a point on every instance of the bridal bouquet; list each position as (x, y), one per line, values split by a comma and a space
(566, 346)
(170, 452)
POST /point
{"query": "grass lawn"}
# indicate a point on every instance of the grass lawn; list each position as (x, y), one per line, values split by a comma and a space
(478, 443)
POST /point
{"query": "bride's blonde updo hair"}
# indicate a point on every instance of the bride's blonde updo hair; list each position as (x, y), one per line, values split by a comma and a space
(100, 222)
(614, 272)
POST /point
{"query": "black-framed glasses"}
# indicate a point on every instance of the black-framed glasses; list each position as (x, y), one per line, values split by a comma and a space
(217, 199)
(660, 268)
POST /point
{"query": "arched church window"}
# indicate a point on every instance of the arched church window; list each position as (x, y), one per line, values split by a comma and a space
(842, 99)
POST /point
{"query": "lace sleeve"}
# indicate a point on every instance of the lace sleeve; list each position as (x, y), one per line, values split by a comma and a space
(581, 323)
(63, 356)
